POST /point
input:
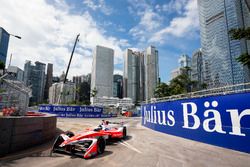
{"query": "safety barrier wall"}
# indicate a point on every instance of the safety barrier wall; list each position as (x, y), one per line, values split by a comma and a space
(75, 111)
(18, 133)
(218, 120)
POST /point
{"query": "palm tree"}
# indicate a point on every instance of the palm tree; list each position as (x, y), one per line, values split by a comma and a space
(241, 33)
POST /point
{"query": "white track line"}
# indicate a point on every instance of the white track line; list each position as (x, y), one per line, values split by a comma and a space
(130, 147)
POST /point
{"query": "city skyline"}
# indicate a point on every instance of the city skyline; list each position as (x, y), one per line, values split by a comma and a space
(171, 26)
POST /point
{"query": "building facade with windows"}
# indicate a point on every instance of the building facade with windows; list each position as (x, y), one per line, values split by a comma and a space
(102, 71)
(184, 61)
(34, 77)
(62, 93)
(134, 75)
(151, 71)
(4, 43)
(217, 18)
(82, 78)
(117, 86)
(197, 68)
(16, 73)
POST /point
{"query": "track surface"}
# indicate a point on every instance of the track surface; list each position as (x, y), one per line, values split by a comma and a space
(143, 147)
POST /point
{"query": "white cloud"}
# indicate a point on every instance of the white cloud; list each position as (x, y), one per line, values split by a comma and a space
(98, 5)
(48, 33)
(181, 26)
(152, 25)
(173, 6)
(149, 20)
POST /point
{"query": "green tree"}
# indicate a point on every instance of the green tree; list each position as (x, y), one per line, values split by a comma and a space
(182, 83)
(237, 34)
(240, 33)
(162, 90)
(93, 92)
(178, 85)
(2, 65)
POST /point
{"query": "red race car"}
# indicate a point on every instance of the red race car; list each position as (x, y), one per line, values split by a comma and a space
(90, 142)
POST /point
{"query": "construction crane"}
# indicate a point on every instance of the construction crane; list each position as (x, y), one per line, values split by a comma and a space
(65, 78)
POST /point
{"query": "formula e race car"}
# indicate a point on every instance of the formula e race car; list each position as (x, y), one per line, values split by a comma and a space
(90, 142)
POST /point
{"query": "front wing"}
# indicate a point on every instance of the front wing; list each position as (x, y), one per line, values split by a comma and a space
(85, 148)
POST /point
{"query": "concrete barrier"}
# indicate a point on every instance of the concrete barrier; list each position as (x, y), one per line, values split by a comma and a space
(18, 133)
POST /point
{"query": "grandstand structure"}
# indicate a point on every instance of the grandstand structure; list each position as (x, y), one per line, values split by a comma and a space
(14, 93)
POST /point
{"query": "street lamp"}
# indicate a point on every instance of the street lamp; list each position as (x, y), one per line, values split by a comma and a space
(15, 36)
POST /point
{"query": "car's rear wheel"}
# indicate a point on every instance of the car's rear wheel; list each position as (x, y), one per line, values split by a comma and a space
(101, 144)
(124, 132)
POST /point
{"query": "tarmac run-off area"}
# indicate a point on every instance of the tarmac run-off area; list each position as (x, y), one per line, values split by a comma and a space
(143, 147)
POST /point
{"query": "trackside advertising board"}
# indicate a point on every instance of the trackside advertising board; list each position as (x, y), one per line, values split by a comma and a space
(74, 111)
(218, 120)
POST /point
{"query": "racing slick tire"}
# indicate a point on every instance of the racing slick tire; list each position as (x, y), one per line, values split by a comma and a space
(101, 144)
(69, 134)
(124, 132)
(56, 144)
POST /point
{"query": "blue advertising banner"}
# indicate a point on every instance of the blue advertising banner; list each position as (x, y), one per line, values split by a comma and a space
(75, 111)
(218, 120)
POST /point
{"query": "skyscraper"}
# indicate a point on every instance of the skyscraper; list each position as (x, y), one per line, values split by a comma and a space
(82, 78)
(134, 75)
(217, 17)
(34, 76)
(102, 71)
(83, 87)
(197, 68)
(4, 43)
(49, 82)
(117, 86)
(184, 61)
(151, 71)
(16, 73)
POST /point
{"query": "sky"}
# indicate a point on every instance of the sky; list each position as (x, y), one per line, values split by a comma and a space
(49, 27)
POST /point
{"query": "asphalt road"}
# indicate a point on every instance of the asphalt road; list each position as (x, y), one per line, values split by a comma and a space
(143, 147)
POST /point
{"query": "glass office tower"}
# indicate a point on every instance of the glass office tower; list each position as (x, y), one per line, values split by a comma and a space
(4, 43)
(217, 17)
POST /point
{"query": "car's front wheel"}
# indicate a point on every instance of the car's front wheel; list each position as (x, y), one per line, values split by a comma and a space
(101, 144)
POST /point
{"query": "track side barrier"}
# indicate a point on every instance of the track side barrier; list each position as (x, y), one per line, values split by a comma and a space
(75, 111)
(222, 120)
(21, 132)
